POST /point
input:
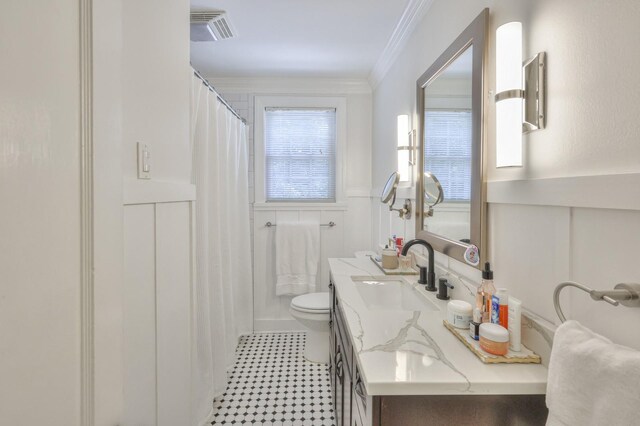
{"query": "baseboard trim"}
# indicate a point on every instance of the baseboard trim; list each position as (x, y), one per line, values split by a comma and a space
(276, 325)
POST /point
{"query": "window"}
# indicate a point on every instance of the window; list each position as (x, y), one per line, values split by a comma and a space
(300, 154)
(448, 151)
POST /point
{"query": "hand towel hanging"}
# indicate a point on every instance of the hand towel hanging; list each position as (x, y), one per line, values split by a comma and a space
(591, 380)
(297, 257)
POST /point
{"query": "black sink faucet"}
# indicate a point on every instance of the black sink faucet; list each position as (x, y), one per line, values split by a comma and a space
(428, 278)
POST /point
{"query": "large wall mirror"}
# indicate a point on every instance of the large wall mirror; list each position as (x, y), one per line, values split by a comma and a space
(450, 106)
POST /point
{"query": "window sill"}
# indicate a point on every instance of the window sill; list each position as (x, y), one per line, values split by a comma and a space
(300, 206)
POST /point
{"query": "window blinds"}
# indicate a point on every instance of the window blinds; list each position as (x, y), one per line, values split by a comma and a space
(448, 151)
(300, 154)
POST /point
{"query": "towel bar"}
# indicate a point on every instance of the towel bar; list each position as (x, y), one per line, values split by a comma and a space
(330, 224)
(627, 294)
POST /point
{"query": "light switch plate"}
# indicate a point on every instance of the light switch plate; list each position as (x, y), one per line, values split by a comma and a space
(144, 161)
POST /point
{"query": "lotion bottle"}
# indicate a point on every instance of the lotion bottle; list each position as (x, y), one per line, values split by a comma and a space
(504, 308)
(515, 324)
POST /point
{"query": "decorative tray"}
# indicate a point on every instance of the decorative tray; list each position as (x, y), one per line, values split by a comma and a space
(397, 271)
(525, 356)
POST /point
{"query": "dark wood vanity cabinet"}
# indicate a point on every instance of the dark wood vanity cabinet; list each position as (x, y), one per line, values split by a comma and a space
(349, 396)
(353, 407)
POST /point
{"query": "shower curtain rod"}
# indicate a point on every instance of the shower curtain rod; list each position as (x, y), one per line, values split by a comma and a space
(220, 98)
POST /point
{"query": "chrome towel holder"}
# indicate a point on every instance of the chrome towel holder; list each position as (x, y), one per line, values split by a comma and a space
(627, 294)
(330, 224)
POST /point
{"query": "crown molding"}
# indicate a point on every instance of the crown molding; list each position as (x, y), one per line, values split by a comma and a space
(282, 85)
(413, 14)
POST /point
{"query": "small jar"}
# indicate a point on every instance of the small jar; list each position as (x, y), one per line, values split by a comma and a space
(459, 313)
(389, 259)
(494, 338)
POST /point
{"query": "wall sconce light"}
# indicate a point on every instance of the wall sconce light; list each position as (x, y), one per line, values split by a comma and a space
(520, 108)
(405, 149)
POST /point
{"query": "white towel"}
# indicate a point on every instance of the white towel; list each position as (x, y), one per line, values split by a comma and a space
(297, 257)
(591, 380)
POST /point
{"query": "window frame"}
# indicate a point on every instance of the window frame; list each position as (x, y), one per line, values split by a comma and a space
(264, 102)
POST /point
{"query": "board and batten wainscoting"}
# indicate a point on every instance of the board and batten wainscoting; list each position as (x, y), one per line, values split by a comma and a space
(271, 311)
(158, 277)
(546, 231)
(582, 228)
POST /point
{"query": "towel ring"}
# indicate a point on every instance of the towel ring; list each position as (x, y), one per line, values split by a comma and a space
(627, 294)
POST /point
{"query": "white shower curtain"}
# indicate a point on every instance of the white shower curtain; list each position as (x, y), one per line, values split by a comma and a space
(222, 297)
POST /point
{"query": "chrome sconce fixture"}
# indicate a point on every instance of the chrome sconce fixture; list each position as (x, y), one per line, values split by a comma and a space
(406, 150)
(520, 94)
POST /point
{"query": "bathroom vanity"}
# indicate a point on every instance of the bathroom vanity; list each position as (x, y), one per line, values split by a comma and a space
(394, 363)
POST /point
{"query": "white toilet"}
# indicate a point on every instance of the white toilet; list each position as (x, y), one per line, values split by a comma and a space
(312, 311)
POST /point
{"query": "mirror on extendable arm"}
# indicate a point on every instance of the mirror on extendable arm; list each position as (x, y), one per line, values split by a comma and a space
(389, 196)
(433, 193)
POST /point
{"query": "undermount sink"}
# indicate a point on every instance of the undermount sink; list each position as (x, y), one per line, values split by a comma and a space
(391, 294)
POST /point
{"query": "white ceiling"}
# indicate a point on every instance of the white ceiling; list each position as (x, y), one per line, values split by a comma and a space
(298, 38)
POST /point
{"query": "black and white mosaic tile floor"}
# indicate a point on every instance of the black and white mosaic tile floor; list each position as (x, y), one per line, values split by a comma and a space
(272, 384)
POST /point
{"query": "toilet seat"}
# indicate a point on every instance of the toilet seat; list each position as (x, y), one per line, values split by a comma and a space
(313, 303)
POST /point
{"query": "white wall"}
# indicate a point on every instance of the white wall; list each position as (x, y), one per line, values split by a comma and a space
(158, 231)
(591, 112)
(156, 81)
(41, 289)
(592, 130)
(353, 220)
(40, 214)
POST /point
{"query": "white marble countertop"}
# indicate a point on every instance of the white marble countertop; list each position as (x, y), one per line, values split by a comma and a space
(412, 353)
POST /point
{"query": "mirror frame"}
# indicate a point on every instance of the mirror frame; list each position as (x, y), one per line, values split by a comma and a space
(474, 35)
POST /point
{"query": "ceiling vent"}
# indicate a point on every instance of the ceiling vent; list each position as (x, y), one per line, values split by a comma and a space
(210, 25)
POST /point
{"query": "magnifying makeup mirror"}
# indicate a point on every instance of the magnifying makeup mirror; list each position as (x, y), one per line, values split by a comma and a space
(389, 191)
(433, 193)
(389, 196)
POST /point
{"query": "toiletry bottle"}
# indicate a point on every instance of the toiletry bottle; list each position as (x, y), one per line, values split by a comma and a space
(503, 313)
(474, 325)
(399, 244)
(515, 321)
(495, 308)
(485, 291)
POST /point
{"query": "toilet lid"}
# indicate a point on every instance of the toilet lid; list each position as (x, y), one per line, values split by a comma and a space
(317, 302)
